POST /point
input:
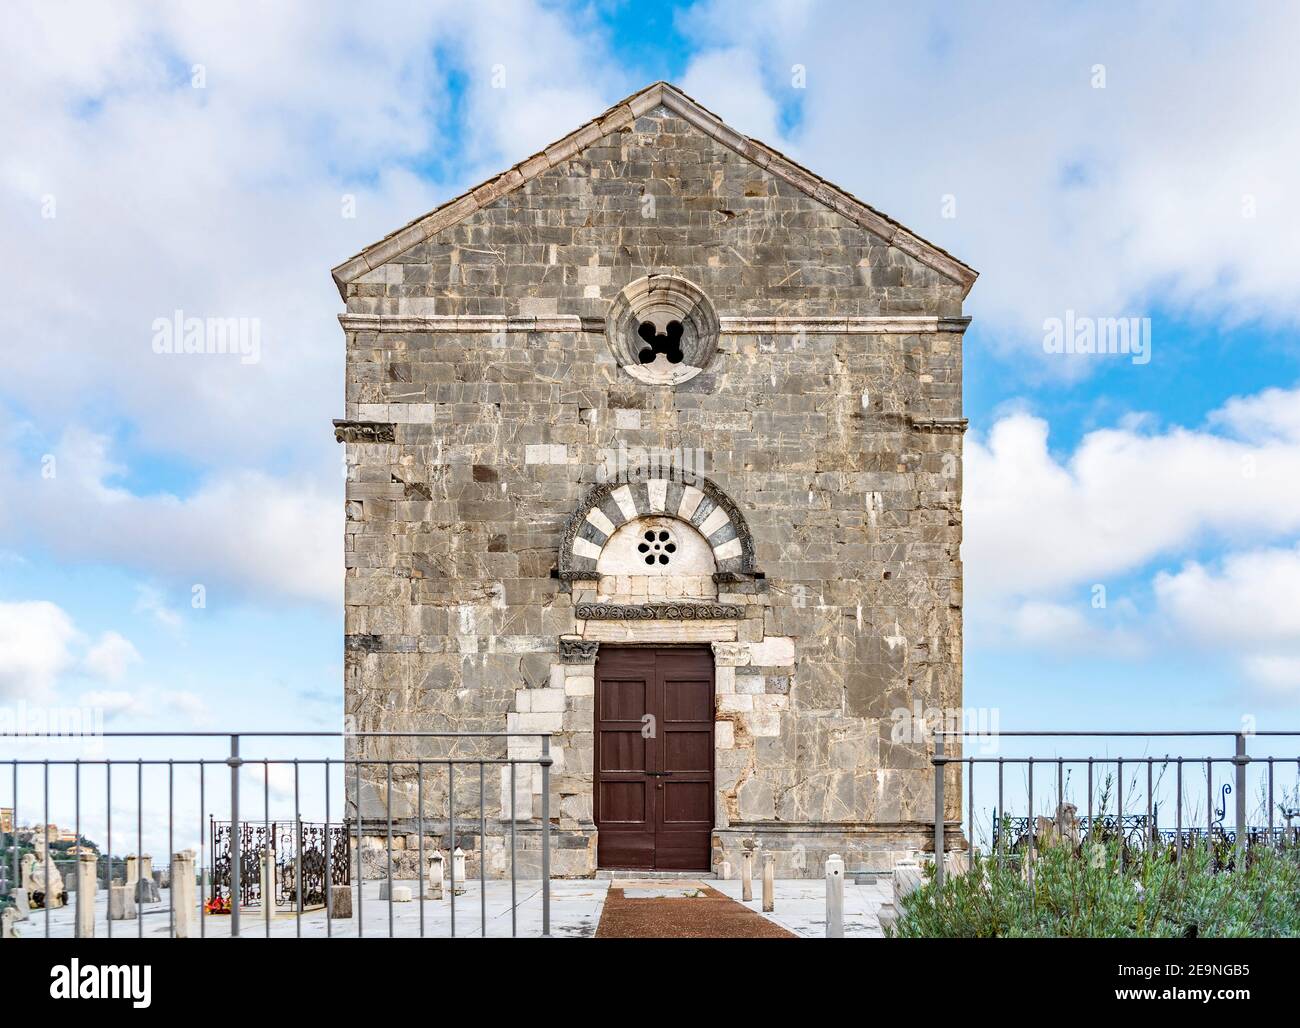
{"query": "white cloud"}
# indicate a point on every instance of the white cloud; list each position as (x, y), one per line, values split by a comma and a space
(110, 703)
(1036, 521)
(189, 705)
(1061, 627)
(36, 646)
(227, 200)
(1067, 196)
(1252, 597)
(730, 83)
(1274, 673)
(1249, 606)
(152, 602)
(246, 531)
(1040, 525)
(110, 657)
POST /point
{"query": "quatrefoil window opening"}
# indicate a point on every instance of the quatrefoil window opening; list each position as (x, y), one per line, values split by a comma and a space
(657, 547)
(668, 342)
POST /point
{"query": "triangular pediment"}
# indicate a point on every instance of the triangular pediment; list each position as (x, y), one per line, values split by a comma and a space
(624, 113)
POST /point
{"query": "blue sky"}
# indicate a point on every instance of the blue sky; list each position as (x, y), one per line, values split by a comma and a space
(1109, 163)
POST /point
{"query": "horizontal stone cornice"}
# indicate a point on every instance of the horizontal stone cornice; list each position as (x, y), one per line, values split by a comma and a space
(884, 324)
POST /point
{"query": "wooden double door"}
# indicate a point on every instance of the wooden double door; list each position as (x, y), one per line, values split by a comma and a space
(654, 757)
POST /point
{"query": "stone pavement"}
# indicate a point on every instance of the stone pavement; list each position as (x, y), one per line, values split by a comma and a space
(576, 911)
(801, 906)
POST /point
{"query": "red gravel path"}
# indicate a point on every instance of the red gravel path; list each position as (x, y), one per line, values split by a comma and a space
(708, 916)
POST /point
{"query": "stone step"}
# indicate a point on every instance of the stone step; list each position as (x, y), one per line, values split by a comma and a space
(607, 875)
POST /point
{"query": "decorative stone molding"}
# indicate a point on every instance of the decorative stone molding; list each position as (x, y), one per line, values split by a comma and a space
(578, 651)
(697, 501)
(891, 324)
(879, 325)
(921, 424)
(460, 323)
(730, 654)
(659, 611)
(662, 301)
(364, 432)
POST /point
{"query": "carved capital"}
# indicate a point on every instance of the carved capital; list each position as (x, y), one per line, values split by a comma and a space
(578, 651)
(364, 432)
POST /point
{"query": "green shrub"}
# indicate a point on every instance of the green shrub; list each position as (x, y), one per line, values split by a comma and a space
(1084, 893)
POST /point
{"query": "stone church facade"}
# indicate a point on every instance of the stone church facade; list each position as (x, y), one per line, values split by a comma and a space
(654, 444)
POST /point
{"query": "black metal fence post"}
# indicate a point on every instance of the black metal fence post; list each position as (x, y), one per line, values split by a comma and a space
(938, 761)
(1240, 760)
(235, 856)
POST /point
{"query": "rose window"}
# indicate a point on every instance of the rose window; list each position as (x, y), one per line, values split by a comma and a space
(657, 546)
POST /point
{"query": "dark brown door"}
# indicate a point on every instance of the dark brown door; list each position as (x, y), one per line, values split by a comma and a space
(654, 757)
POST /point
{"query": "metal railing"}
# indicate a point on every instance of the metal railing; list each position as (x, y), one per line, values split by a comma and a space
(432, 774)
(1136, 831)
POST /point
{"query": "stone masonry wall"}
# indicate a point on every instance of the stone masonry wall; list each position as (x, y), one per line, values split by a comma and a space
(825, 441)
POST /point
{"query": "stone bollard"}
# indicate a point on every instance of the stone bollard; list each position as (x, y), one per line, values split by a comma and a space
(121, 903)
(434, 889)
(340, 901)
(747, 876)
(458, 871)
(146, 889)
(769, 882)
(834, 897)
(184, 900)
(908, 877)
(724, 871)
(87, 879)
(7, 920)
(267, 867)
(132, 869)
(21, 904)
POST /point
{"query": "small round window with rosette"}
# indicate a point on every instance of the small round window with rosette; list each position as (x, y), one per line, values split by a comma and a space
(657, 546)
(662, 330)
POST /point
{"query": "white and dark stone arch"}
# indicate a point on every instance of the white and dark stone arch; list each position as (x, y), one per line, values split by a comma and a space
(699, 502)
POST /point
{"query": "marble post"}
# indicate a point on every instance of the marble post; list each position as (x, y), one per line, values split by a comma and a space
(121, 903)
(184, 901)
(769, 882)
(834, 897)
(87, 883)
(434, 889)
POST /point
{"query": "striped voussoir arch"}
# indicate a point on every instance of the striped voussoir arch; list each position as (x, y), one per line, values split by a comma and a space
(700, 503)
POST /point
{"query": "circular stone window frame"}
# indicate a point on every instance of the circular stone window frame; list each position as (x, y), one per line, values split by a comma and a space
(661, 299)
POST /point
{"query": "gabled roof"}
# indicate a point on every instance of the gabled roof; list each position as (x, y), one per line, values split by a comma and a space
(624, 113)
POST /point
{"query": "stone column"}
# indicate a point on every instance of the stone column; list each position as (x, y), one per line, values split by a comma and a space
(132, 869)
(747, 875)
(184, 901)
(87, 882)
